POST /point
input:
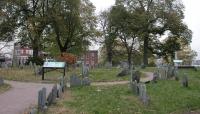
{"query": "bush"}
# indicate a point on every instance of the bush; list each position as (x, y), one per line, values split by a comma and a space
(36, 60)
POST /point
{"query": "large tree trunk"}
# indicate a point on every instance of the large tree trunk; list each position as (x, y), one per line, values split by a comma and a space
(145, 51)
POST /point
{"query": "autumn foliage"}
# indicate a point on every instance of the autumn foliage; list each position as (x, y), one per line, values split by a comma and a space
(68, 57)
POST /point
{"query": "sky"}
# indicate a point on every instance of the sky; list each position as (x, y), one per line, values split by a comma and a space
(192, 18)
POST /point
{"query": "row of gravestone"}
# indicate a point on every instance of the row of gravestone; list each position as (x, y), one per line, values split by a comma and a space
(84, 81)
(139, 88)
(169, 72)
(76, 81)
(43, 102)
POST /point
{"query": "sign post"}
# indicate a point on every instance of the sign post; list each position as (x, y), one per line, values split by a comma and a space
(53, 65)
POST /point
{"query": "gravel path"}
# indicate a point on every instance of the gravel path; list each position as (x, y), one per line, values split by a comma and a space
(149, 77)
(20, 97)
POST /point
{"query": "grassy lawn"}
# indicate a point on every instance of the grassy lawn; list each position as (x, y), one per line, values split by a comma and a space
(103, 74)
(28, 75)
(166, 96)
(4, 88)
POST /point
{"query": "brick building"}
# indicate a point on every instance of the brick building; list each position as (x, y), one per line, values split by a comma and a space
(91, 58)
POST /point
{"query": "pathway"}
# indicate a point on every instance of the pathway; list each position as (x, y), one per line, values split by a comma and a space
(149, 77)
(20, 97)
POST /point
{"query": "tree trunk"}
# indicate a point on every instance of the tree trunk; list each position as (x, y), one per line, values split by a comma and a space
(145, 51)
(129, 59)
(35, 47)
(109, 55)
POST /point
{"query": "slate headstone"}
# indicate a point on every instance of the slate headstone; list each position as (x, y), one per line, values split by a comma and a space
(185, 81)
(143, 94)
(54, 93)
(135, 87)
(42, 99)
(75, 81)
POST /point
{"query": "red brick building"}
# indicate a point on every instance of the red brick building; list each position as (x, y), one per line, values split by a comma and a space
(91, 58)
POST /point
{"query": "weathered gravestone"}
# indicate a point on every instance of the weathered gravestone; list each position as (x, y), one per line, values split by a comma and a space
(185, 81)
(85, 72)
(136, 76)
(74, 81)
(53, 95)
(124, 72)
(143, 94)
(1, 81)
(42, 99)
(59, 91)
(135, 87)
(62, 83)
(86, 81)
(155, 77)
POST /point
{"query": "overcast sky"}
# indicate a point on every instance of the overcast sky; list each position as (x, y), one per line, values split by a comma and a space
(192, 18)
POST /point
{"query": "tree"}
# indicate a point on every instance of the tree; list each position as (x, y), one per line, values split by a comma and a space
(154, 18)
(108, 33)
(73, 22)
(29, 18)
(125, 26)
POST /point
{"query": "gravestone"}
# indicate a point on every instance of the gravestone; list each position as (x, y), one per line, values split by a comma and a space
(42, 99)
(86, 81)
(136, 76)
(54, 93)
(62, 83)
(155, 77)
(59, 91)
(143, 94)
(135, 87)
(85, 72)
(74, 81)
(124, 72)
(1, 81)
(50, 98)
(185, 81)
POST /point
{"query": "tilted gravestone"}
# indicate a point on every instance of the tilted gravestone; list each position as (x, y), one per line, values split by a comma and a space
(185, 81)
(86, 81)
(143, 94)
(75, 81)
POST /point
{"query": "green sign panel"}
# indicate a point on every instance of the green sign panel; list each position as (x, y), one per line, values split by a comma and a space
(54, 64)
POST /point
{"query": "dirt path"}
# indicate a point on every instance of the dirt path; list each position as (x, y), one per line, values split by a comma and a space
(20, 97)
(149, 77)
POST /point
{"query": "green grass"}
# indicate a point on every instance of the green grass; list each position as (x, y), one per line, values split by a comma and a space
(166, 96)
(4, 88)
(103, 74)
(28, 75)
